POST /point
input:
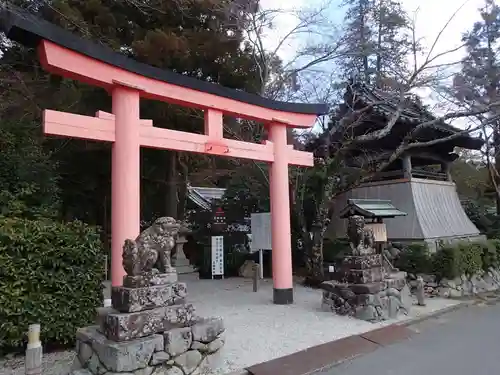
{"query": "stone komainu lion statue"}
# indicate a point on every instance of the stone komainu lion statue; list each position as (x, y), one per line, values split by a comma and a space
(152, 248)
(359, 237)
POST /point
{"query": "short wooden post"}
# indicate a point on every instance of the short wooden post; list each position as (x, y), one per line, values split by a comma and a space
(33, 363)
(256, 277)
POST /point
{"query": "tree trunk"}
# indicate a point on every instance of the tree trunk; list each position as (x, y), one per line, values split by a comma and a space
(183, 185)
(171, 183)
(364, 40)
(494, 176)
(314, 253)
(314, 250)
(379, 47)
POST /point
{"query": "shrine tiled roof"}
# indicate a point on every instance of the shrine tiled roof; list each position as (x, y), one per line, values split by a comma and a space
(371, 208)
(204, 197)
(385, 103)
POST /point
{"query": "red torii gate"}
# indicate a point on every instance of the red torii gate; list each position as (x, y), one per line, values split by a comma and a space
(127, 81)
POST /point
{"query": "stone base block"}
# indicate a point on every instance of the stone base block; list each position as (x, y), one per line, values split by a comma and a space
(369, 288)
(175, 352)
(371, 302)
(362, 261)
(150, 279)
(102, 313)
(360, 276)
(183, 270)
(129, 326)
(396, 280)
(145, 298)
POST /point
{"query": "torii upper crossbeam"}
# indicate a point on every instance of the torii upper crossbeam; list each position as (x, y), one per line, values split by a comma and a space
(127, 81)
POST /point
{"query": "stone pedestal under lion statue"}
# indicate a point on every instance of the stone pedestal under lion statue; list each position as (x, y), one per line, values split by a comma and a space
(361, 287)
(150, 328)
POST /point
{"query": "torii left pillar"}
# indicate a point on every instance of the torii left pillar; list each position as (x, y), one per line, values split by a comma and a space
(280, 217)
(125, 176)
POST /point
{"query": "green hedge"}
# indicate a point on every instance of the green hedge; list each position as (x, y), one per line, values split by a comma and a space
(333, 249)
(415, 258)
(491, 258)
(50, 273)
(452, 260)
(446, 263)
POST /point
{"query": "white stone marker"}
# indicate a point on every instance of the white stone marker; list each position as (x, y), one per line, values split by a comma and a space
(33, 363)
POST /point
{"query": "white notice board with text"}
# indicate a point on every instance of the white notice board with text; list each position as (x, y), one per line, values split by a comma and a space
(261, 231)
(217, 256)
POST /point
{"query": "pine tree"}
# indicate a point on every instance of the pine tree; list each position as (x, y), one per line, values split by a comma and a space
(358, 38)
(393, 43)
(377, 40)
(479, 80)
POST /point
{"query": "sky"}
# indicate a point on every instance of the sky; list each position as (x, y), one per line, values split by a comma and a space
(432, 15)
(430, 18)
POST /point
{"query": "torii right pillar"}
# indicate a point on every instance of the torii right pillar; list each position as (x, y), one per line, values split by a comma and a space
(280, 217)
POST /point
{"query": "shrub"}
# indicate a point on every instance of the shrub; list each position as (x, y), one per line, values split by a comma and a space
(28, 176)
(333, 249)
(50, 273)
(495, 249)
(464, 257)
(446, 263)
(471, 254)
(490, 258)
(415, 258)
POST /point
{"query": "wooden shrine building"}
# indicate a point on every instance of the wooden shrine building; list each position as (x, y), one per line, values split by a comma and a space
(418, 182)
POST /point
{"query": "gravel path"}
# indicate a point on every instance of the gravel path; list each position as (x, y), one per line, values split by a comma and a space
(57, 363)
(256, 329)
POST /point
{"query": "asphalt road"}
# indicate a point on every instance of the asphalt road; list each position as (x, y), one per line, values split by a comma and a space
(463, 342)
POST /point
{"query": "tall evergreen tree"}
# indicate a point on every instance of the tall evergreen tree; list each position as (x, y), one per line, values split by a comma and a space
(359, 38)
(478, 83)
(377, 40)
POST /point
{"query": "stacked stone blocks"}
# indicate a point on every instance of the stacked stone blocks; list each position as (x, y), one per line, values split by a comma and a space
(360, 287)
(150, 329)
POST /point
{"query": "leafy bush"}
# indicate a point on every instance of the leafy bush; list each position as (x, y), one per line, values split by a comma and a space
(50, 273)
(486, 221)
(415, 258)
(492, 258)
(452, 260)
(333, 249)
(471, 254)
(464, 258)
(28, 178)
(446, 263)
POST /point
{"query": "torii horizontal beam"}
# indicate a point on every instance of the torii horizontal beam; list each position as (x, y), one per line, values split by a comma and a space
(102, 128)
(61, 61)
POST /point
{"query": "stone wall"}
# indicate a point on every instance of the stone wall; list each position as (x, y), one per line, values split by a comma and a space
(463, 286)
(189, 350)
(372, 302)
(150, 328)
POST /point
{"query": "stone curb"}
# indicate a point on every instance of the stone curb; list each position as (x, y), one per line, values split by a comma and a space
(436, 313)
